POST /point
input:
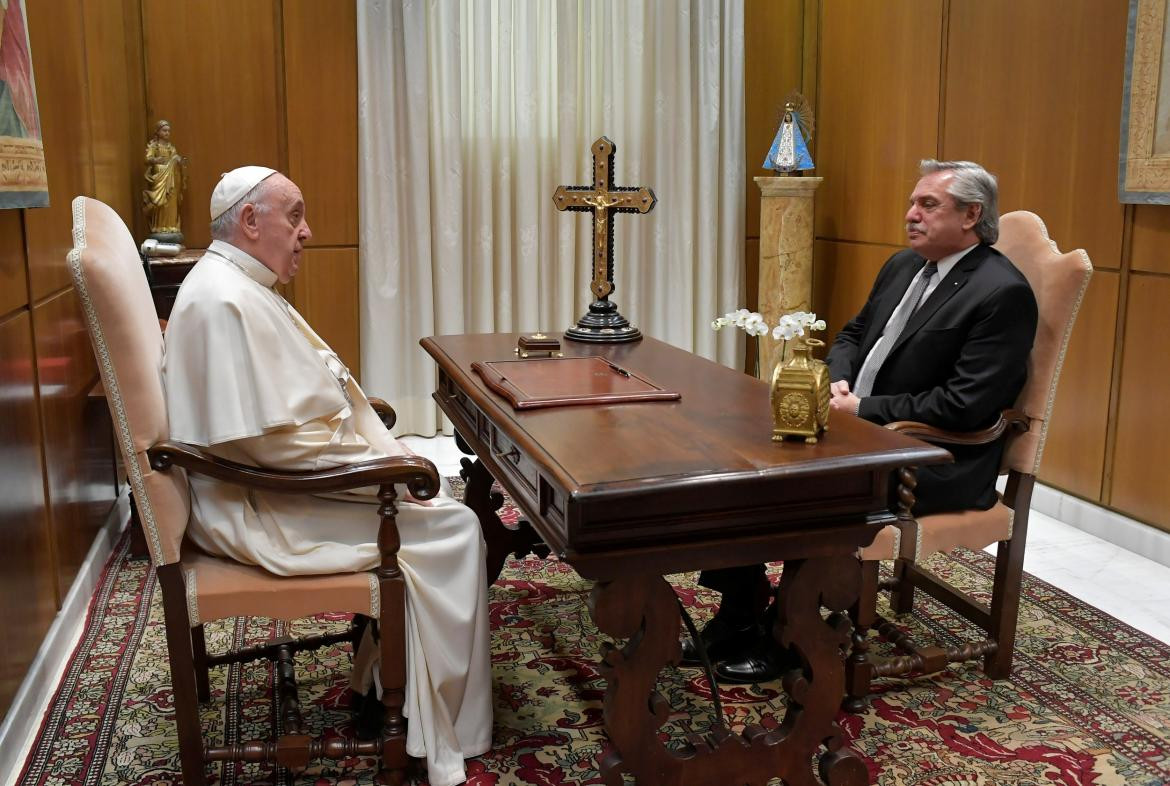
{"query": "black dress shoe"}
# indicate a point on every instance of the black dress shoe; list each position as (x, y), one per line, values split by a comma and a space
(722, 639)
(763, 663)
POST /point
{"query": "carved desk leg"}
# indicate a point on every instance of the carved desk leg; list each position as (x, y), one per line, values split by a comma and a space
(642, 610)
(815, 696)
(501, 539)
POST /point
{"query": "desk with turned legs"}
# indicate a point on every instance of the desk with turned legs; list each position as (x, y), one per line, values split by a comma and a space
(628, 493)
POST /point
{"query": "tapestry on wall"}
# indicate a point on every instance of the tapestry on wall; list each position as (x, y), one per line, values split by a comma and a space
(23, 181)
(1144, 171)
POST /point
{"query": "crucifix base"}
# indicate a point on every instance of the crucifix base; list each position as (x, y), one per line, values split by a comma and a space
(602, 324)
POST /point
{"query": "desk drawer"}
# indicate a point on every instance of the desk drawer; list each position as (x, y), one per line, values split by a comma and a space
(513, 468)
(521, 476)
(514, 463)
(465, 407)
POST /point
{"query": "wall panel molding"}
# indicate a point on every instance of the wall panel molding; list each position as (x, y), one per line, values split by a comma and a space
(320, 75)
(28, 600)
(13, 265)
(212, 70)
(877, 113)
(58, 50)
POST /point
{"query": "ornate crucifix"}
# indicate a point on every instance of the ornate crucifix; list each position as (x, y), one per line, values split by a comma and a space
(603, 323)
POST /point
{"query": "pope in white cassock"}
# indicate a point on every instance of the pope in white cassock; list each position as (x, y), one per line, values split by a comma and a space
(247, 378)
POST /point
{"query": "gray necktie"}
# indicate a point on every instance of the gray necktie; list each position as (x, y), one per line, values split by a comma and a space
(873, 362)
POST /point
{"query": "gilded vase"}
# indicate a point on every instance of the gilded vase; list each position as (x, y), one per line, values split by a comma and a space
(800, 394)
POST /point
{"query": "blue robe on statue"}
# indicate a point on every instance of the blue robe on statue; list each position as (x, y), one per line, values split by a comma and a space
(789, 151)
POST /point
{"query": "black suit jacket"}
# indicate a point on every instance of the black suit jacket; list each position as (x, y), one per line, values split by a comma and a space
(960, 360)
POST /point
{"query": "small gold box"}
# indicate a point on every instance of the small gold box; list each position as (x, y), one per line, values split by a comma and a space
(538, 345)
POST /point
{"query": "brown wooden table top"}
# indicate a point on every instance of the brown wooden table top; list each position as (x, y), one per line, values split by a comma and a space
(721, 426)
(702, 470)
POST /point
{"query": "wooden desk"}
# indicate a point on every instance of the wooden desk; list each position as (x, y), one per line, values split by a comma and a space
(627, 493)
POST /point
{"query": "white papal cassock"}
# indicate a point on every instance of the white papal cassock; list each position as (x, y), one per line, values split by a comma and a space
(248, 378)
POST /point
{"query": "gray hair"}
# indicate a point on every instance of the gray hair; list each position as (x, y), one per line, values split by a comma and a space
(971, 185)
(224, 227)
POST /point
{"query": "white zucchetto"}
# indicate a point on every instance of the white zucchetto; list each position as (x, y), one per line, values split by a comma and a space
(233, 185)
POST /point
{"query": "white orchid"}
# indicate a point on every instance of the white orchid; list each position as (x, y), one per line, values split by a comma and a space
(808, 320)
(754, 324)
(790, 326)
(739, 316)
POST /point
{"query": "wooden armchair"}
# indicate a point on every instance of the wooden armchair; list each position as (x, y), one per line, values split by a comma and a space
(1059, 282)
(199, 588)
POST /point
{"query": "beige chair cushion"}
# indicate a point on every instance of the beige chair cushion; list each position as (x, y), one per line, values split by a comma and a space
(1059, 282)
(218, 588)
(124, 328)
(971, 529)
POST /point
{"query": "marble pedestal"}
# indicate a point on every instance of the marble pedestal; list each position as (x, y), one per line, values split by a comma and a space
(786, 243)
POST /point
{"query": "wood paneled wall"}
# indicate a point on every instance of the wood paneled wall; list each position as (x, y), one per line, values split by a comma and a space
(1032, 90)
(266, 82)
(774, 55)
(272, 83)
(57, 463)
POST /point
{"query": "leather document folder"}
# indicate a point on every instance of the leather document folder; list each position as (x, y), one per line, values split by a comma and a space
(558, 382)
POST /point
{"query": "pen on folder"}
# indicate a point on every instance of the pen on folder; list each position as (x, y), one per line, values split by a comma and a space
(618, 369)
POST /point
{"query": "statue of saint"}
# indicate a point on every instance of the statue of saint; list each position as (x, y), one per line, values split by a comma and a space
(789, 151)
(166, 179)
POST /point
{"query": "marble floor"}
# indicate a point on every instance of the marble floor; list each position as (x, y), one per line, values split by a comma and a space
(1128, 586)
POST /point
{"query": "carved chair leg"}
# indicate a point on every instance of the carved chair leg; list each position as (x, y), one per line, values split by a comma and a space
(902, 595)
(183, 679)
(202, 670)
(1005, 607)
(863, 614)
(392, 645)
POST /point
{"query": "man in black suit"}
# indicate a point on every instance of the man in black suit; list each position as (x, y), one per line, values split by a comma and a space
(943, 339)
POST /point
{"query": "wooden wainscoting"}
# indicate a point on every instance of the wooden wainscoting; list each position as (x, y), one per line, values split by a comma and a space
(1017, 101)
(1074, 458)
(28, 599)
(56, 37)
(78, 443)
(878, 114)
(13, 275)
(213, 70)
(1142, 452)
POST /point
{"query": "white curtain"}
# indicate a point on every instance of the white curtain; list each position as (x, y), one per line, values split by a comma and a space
(472, 112)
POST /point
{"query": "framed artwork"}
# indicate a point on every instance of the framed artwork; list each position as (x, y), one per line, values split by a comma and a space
(23, 181)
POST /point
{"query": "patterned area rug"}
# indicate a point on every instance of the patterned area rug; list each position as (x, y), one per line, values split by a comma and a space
(1089, 702)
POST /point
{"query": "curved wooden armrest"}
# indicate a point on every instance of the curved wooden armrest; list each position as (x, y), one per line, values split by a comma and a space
(1008, 419)
(418, 473)
(384, 411)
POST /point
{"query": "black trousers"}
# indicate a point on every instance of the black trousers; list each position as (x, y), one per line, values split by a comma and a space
(745, 591)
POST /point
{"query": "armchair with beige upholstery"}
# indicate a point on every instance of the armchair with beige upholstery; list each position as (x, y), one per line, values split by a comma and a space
(198, 588)
(1059, 282)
